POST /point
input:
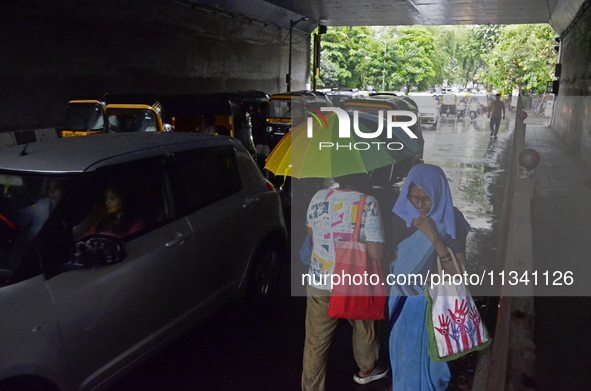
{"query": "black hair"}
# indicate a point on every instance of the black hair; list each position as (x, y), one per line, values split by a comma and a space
(355, 181)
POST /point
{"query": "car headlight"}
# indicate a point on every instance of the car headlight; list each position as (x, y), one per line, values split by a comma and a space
(269, 129)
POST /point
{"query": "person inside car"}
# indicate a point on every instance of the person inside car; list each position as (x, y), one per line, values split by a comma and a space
(120, 220)
(33, 217)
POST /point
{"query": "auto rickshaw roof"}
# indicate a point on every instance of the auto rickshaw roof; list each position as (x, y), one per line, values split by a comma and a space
(143, 98)
(392, 101)
(308, 96)
(254, 96)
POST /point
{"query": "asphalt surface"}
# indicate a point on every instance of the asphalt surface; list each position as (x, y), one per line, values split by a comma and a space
(251, 347)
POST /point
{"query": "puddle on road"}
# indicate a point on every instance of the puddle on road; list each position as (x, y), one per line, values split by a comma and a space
(475, 165)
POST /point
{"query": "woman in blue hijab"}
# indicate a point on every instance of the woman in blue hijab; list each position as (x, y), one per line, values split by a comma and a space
(424, 224)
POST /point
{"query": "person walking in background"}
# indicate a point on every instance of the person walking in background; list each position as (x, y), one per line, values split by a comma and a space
(494, 113)
(331, 216)
(424, 224)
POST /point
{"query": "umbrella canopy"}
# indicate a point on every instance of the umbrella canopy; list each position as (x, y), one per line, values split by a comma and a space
(326, 155)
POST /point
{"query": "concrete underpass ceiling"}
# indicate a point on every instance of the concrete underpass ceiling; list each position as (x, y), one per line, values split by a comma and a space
(559, 13)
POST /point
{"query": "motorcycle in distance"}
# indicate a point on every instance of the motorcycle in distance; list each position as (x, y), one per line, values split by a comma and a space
(473, 110)
(461, 110)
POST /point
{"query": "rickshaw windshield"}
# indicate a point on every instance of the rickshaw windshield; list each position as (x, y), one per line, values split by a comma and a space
(26, 203)
(84, 117)
(286, 108)
(448, 99)
(131, 120)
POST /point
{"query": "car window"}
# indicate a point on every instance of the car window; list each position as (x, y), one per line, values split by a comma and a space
(123, 200)
(26, 203)
(207, 176)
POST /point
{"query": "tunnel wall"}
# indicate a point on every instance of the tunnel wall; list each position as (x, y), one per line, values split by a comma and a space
(572, 115)
(53, 51)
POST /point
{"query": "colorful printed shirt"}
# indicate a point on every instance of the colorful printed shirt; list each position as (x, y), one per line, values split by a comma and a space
(332, 216)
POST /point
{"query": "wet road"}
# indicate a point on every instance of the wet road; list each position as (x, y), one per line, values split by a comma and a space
(249, 347)
(476, 166)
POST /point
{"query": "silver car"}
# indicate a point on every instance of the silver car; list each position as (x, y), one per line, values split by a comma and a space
(113, 245)
(427, 107)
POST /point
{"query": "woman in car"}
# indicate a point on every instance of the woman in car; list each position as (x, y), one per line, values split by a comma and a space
(120, 220)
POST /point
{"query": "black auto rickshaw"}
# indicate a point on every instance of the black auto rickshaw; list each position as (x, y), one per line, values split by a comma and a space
(257, 105)
(372, 105)
(288, 109)
(223, 113)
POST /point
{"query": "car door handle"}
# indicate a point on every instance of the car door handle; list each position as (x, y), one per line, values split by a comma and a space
(180, 238)
(249, 202)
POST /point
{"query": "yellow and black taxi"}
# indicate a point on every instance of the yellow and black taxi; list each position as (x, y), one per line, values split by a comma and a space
(124, 118)
(84, 117)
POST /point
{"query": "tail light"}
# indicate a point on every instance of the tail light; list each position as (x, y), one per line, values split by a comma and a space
(270, 186)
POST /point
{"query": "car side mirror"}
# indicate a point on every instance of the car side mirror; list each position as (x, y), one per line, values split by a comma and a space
(99, 250)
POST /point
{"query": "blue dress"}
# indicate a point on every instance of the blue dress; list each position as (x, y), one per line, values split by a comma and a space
(412, 368)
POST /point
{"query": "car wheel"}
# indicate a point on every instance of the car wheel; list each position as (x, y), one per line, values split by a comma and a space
(435, 124)
(266, 270)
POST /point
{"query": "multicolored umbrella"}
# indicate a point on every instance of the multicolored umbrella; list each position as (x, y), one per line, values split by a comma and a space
(326, 155)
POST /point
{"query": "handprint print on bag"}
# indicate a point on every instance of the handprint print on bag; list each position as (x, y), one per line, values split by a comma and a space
(459, 317)
(444, 323)
(475, 317)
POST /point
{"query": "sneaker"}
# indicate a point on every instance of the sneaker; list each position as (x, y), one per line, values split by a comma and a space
(379, 372)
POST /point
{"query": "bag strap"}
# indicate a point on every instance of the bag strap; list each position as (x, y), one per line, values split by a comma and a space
(358, 221)
(457, 264)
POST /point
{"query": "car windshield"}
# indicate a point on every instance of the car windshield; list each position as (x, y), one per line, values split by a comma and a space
(131, 120)
(26, 202)
(82, 117)
(286, 108)
(424, 102)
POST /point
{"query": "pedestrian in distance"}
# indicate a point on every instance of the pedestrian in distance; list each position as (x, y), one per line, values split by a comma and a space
(424, 223)
(331, 216)
(494, 113)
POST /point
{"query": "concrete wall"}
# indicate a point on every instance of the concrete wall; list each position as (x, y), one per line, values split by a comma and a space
(572, 118)
(55, 50)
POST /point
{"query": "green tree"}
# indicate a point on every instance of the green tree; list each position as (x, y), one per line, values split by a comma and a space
(524, 56)
(416, 48)
(342, 46)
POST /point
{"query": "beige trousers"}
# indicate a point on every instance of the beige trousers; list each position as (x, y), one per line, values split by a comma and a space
(319, 333)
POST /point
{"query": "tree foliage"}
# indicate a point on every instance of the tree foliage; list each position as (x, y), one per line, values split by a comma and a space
(390, 58)
(524, 56)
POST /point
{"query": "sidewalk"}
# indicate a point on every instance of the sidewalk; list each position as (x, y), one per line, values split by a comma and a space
(561, 227)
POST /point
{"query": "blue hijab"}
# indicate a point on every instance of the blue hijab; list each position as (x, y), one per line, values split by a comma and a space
(433, 180)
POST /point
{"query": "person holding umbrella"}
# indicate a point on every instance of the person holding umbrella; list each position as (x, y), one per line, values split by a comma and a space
(331, 217)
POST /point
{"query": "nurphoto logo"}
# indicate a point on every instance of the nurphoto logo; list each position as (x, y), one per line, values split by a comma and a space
(345, 127)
